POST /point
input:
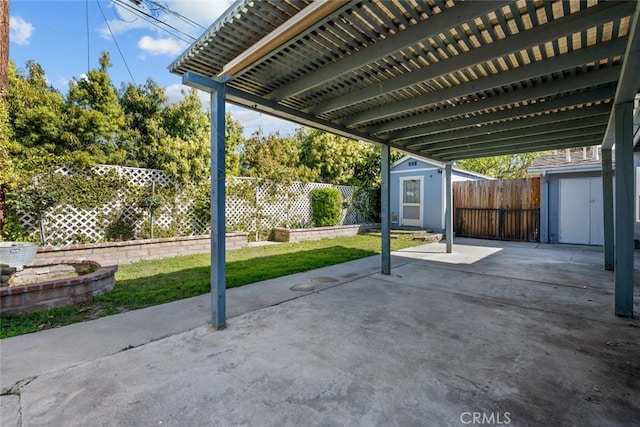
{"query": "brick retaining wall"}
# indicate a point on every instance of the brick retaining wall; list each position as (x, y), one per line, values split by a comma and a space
(317, 233)
(116, 253)
(56, 293)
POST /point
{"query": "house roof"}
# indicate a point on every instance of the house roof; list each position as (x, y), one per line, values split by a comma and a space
(439, 165)
(445, 80)
(579, 159)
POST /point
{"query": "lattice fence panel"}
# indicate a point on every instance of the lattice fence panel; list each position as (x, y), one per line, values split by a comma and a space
(252, 205)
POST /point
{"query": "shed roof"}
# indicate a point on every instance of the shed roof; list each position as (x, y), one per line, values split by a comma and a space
(439, 165)
(442, 79)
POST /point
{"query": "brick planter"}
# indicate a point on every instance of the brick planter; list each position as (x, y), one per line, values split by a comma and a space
(137, 250)
(317, 233)
(57, 293)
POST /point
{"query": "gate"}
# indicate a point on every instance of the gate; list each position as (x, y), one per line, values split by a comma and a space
(501, 224)
(504, 210)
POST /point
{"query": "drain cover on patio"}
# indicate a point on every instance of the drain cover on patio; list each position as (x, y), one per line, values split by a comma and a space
(303, 287)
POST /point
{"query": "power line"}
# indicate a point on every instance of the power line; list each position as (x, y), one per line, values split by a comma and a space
(151, 15)
(180, 16)
(116, 43)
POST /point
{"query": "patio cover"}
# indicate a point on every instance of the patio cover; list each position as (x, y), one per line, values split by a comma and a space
(445, 80)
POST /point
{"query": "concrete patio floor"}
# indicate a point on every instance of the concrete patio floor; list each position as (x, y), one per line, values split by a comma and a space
(495, 333)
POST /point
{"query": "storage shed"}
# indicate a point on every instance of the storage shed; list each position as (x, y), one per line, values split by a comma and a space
(418, 192)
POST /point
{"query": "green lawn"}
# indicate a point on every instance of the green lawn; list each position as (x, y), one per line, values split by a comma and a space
(148, 283)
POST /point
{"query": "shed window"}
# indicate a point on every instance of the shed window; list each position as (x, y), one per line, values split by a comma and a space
(413, 163)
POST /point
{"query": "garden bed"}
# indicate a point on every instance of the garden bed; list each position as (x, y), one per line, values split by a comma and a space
(116, 253)
(38, 293)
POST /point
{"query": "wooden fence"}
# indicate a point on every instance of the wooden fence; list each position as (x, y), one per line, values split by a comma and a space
(505, 210)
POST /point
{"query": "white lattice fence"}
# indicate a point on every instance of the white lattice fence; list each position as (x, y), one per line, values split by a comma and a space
(258, 207)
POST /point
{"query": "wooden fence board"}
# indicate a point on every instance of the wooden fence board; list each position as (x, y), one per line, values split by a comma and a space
(500, 209)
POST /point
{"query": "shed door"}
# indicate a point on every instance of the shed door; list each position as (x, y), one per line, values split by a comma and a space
(411, 202)
(581, 216)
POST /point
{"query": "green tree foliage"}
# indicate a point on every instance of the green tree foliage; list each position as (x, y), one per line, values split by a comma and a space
(94, 123)
(326, 205)
(274, 157)
(36, 110)
(504, 167)
(95, 115)
(186, 148)
(234, 139)
(37, 121)
(142, 107)
(332, 158)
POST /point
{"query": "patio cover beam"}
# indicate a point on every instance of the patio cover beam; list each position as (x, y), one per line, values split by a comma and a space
(629, 81)
(589, 96)
(556, 87)
(303, 21)
(244, 99)
(555, 64)
(516, 133)
(515, 141)
(561, 27)
(525, 148)
(420, 31)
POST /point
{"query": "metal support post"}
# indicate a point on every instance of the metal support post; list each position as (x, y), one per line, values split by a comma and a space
(385, 216)
(624, 186)
(448, 228)
(218, 268)
(607, 205)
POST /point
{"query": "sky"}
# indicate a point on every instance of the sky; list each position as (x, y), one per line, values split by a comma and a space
(66, 37)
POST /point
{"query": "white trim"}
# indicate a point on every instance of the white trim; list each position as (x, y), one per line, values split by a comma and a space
(592, 167)
(416, 170)
(401, 207)
(437, 165)
(420, 159)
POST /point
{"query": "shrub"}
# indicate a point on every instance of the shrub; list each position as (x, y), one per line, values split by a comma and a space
(326, 206)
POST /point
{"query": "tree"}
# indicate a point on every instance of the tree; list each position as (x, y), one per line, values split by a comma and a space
(36, 111)
(143, 107)
(274, 157)
(332, 158)
(4, 47)
(234, 142)
(367, 178)
(185, 150)
(96, 117)
(505, 167)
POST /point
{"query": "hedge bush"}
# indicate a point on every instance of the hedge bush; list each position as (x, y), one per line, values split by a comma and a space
(326, 206)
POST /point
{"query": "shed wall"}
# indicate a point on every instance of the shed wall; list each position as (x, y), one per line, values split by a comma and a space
(550, 203)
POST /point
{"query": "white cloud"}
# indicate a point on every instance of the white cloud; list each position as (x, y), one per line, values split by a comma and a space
(176, 92)
(161, 46)
(20, 31)
(252, 121)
